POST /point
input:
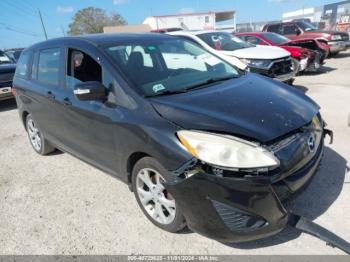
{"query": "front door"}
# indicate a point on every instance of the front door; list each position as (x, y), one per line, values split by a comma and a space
(89, 130)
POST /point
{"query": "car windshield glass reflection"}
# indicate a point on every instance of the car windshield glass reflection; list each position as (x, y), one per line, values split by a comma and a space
(306, 26)
(276, 39)
(163, 67)
(4, 59)
(224, 41)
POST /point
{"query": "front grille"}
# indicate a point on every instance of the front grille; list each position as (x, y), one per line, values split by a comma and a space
(6, 77)
(298, 157)
(281, 67)
(281, 188)
(237, 220)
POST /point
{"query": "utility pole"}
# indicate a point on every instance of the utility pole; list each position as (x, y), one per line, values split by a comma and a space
(42, 24)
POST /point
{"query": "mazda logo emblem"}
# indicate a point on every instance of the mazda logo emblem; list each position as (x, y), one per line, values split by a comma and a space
(311, 143)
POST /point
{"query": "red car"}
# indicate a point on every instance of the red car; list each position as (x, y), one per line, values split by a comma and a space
(301, 29)
(308, 52)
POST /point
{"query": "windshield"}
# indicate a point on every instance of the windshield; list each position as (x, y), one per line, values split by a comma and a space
(306, 26)
(276, 39)
(165, 66)
(224, 41)
(4, 59)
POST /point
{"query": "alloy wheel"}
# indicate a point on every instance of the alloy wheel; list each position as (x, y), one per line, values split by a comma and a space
(157, 202)
(34, 135)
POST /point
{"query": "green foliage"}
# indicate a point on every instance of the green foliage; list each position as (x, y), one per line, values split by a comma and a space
(91, 20)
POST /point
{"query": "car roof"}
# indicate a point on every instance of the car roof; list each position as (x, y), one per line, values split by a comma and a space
(255, 33)
(102, 39)
(195, 32)
(251, 33)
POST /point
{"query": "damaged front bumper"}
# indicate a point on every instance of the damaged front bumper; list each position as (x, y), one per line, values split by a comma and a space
(238, 209)
(229, 210)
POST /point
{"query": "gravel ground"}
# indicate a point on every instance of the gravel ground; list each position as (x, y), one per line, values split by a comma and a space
(60, 205)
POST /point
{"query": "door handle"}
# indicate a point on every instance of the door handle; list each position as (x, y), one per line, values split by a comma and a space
(67, 102)
(50, 95)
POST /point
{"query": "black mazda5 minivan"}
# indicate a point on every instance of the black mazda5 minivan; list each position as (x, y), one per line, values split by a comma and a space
(199, 142)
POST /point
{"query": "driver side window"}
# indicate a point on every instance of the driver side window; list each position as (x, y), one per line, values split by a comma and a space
(81, 68)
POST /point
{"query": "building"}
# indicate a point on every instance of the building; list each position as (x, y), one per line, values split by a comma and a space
(329, 16)
(127, 29)
(190, 21)
(313, 14)
(252, 26)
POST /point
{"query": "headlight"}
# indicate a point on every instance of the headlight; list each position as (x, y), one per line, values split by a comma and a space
(226, 151)
(256, 63)
(335, 37)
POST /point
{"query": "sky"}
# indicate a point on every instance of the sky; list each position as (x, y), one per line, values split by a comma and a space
(20, 24)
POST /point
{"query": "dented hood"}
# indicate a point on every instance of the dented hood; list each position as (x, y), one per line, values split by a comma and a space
(251, 106)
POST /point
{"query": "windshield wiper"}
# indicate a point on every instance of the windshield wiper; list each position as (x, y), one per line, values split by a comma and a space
(210, 81)
(168, 92)
(196, 86)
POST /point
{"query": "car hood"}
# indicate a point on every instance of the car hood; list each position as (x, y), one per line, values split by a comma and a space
(258, 52)
(330, 32)
(7, 68)
(252, 107)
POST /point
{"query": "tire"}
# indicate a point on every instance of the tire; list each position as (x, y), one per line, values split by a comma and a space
(334, 54)
(156, 199)
(290, 81)
(36, 138)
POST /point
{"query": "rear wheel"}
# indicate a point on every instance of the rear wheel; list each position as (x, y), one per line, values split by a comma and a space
(36, 138)
(156, 203)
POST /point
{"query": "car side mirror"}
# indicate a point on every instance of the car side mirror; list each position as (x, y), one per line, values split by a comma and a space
(88, 91)
(297, 31)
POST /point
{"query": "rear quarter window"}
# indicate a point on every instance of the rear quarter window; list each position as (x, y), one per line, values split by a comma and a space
(49, 65)
(23, 65)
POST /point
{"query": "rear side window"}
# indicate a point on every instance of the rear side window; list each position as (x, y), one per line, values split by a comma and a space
(23, 65)
(48, 66)
(274, 28)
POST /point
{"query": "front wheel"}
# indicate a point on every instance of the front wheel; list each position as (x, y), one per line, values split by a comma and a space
(156, 203)
(36, 138)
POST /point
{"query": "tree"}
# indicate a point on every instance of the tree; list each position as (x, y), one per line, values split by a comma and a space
(91, 20)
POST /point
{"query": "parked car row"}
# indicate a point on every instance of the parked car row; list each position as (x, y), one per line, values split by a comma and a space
(337, 41)
(7, 71)
(281, 51)
(309, 53)
(265, 60)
